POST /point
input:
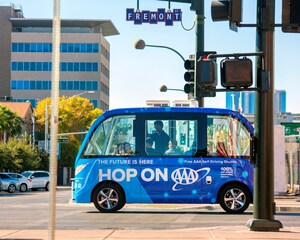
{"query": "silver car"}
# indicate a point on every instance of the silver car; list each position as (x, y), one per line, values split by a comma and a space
(9, 184)
(25, 183)
(39, 179)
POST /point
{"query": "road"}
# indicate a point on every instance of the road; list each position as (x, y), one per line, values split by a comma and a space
(30, 211)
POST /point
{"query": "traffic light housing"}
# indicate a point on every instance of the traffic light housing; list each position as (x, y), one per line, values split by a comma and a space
(236, 73)
(290, 16)
(189, 76)
(206, 78)
(182, 138)
(224, 10)
(207, 73)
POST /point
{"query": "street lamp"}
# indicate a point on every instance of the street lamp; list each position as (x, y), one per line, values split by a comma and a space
(192, 102)
(140, 44)
(164, 88)
(47, 117)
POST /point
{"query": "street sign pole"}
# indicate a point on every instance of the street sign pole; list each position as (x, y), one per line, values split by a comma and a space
(264, 205)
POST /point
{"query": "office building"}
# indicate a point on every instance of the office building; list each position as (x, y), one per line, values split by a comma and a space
(245, 101)
(26, 57)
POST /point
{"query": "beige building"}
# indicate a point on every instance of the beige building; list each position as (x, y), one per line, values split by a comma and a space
(26, 55)
(25, 112)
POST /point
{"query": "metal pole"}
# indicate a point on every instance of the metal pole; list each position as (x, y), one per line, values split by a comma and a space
(33, 130)
(199, 44)
(172, 49)
(46, 127)
(291, 190)
(264, 205)
(54, 117)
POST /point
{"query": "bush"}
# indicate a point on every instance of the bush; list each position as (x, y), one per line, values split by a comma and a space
(18, 155)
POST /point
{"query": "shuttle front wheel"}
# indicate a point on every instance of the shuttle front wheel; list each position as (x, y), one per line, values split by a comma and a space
(108, 197)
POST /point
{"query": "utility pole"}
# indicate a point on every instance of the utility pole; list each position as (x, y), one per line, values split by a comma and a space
(198, 7)
(264, 205)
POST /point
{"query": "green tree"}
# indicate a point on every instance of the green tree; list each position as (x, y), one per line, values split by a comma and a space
(76, 114)
(10, 123)
(18, 155)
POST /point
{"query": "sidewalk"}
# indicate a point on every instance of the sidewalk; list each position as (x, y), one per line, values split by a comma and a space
(220, 233)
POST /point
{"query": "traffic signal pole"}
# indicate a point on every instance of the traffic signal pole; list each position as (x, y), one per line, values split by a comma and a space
(264, 205)
(198, 7)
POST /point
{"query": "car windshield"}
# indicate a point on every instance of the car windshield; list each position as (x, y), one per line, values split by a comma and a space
(15, 175)
(26, 174)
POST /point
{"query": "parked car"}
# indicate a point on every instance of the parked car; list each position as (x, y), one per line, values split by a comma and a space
(9, 184)
(25, 183)
(0, 185)
(39, 179)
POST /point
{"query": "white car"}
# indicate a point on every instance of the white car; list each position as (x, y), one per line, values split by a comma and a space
(39, 179)
(9, 184)
(24, 182)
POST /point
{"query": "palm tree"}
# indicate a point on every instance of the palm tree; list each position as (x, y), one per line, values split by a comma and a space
(10, 123)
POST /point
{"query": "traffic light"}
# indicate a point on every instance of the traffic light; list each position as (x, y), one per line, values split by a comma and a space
(236, 73)
(207, 73)
(189, 76)
(224, 10)
(290, 16)
(207, 78)
(182, 139)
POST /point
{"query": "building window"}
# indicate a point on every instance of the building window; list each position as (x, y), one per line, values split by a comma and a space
(20, 66)
(63, 85)
(32, 85)
(64, 47)
(104, 52)
(70, 85)
(13, 84)
(47, 66)
(26, 84)
(27, 47)
(14, 47)
(31, 66)
(46, 85)
(76, 85)
(20, 85)
(82, 85)
(95, 102)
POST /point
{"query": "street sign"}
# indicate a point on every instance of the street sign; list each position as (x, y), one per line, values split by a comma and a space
(41, 145)
(291, 129)
(63, 140)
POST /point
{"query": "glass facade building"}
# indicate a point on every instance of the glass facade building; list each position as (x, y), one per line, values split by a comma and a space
(245, 101)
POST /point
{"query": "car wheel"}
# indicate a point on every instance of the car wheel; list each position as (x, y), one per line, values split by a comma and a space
(47, 186)
(234, 198)
(108, 198)
(11, 188)
(23, 187)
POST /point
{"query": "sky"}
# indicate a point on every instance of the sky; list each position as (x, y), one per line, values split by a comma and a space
(136, 75)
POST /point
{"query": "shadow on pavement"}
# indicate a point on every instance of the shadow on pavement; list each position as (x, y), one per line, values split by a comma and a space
(169, 212)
